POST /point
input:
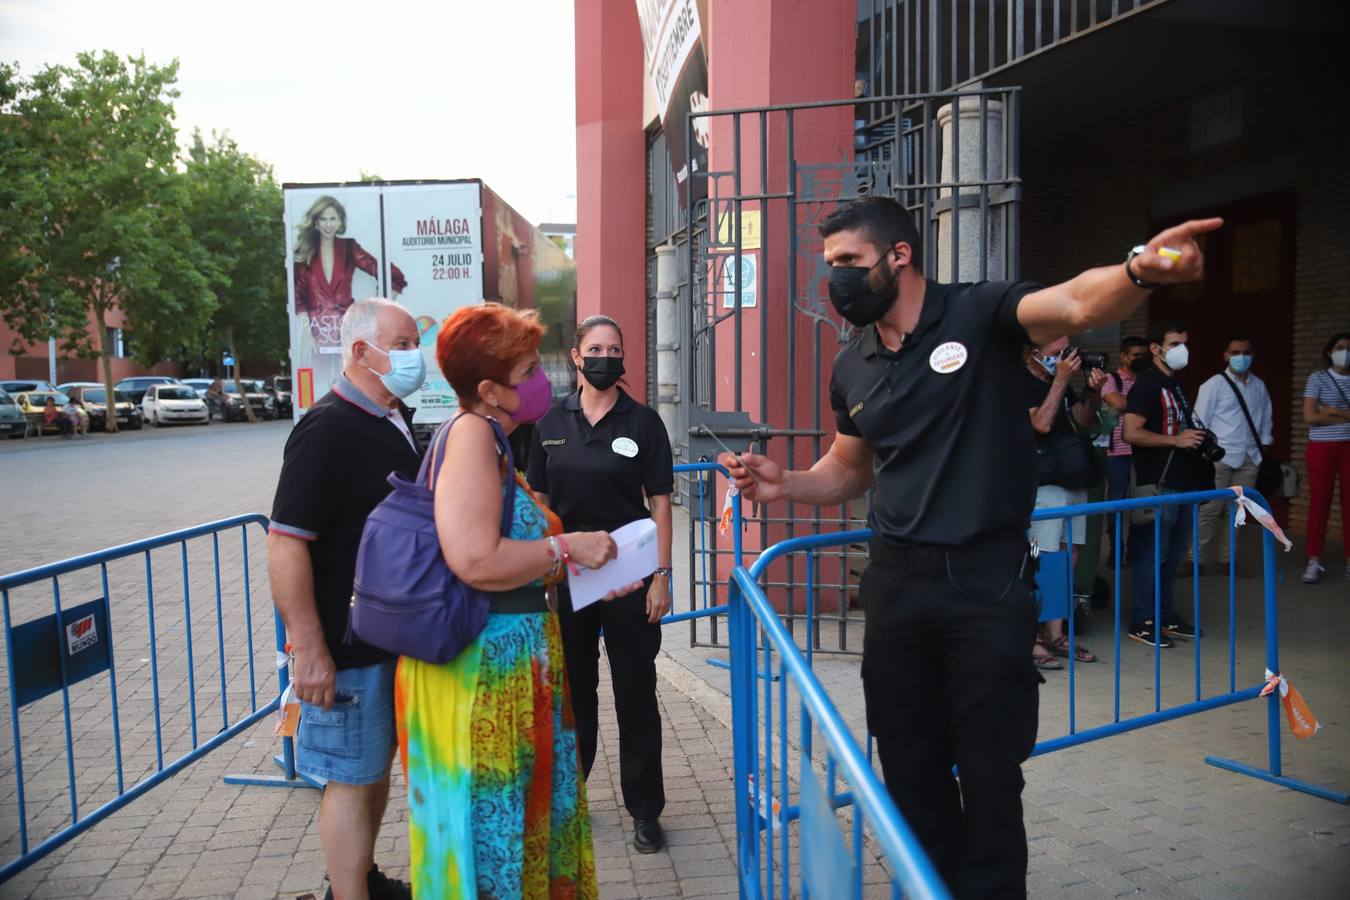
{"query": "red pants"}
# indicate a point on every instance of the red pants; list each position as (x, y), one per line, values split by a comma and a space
(1327, 459)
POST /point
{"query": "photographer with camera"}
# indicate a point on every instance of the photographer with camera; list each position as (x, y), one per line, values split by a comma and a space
(1066, 465)
(1172, 454)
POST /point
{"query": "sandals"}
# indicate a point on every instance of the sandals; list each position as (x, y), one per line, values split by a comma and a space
(1043, 658)
(1060, 647)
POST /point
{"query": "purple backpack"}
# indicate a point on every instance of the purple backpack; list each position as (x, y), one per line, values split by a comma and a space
(406, 600)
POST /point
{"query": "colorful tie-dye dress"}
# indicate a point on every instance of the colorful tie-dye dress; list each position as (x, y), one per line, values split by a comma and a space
(488, 742)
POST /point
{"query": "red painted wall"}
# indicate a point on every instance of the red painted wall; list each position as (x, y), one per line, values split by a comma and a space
(611, 174)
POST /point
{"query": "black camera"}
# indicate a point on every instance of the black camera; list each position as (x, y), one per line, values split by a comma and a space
(1089, 359)
(1209, 448)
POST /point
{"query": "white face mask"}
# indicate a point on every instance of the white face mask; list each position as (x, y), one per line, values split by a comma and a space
(1341, 358)
(1177, 357)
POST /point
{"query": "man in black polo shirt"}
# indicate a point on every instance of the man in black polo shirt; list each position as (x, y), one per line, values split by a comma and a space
(1159, 424)
(333, 475)
(930, 410)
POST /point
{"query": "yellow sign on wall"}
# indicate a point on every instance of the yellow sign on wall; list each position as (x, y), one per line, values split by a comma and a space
(750, 228)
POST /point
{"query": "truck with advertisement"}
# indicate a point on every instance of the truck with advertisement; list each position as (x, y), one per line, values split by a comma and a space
(431, 246)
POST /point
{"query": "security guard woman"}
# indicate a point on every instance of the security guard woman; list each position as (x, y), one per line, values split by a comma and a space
(600, 459)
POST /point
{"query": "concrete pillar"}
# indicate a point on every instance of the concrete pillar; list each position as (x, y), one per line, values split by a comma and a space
(972, 152)
(611, 176)
(668, 341)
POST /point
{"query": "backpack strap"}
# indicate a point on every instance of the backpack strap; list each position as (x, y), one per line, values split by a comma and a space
(430, 471)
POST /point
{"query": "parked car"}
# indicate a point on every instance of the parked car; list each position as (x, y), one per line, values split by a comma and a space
(13, 423)
(68, 387)
(166, 404)
(263, 406)
(199, 385)
(93, 397)
(21, 386)
(278, 387)
(32, 404)
(136, 386)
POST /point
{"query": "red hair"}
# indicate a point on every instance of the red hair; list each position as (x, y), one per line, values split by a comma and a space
(484, 342)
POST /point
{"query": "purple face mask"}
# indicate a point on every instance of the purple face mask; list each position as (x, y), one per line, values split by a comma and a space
(535, 394)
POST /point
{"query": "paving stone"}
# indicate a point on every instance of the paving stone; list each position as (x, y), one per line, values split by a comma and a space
(1137, 813)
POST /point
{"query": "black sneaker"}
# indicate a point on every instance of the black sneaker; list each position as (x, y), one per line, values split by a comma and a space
(382, 887)
(648, 837)
(1145, 634)
(1177, 627)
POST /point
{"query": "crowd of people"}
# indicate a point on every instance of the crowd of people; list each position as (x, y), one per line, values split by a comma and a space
(1156, 441)
(496, 744)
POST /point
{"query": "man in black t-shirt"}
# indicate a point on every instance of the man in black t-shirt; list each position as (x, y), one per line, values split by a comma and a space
(929, 405)
(333, 475)
(1159, 425)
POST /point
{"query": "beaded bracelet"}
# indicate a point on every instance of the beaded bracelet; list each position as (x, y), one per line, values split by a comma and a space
(567, 556)
(555, 553)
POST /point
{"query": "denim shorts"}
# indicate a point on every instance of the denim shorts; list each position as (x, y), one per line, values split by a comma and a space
(1050, 533)
(350, 742)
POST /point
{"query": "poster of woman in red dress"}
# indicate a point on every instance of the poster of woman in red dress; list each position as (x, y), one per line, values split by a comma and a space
(325, 263)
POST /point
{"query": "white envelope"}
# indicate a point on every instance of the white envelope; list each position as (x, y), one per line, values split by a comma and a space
(637, 559)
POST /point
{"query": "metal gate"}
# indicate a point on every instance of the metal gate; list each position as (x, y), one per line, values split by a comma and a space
(757, 335)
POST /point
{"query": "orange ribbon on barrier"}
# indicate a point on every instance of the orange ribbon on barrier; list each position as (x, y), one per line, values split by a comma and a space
(1301, 720)
(1245, 505)
(724, 522)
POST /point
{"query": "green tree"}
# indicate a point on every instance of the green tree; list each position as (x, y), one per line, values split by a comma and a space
(93, 215)
(234, 209)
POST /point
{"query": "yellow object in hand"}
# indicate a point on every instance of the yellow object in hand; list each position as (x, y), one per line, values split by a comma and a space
(1168, 252)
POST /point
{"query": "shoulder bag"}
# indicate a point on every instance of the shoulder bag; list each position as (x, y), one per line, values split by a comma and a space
(1272, 475)
(406, 600)
(1076, 462)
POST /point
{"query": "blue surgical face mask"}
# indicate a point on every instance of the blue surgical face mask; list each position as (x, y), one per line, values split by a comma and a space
(407, 371)
(1240, 362)
(1049, 363)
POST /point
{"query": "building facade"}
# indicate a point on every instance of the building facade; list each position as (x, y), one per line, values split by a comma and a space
(1029, 139)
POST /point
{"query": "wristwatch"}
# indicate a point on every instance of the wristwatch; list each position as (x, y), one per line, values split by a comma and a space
(667, 571)
(1138, 282)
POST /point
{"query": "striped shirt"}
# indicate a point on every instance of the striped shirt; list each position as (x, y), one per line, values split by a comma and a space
(1119, 382)
(1329, 389)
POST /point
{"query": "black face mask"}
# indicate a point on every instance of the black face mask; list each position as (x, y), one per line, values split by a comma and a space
(1141, 365)
(602, 371)
(854, 298)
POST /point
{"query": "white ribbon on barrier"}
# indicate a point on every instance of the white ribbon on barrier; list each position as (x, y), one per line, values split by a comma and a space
(1245, 505)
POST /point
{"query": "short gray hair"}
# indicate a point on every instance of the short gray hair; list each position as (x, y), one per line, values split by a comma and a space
(361, 322)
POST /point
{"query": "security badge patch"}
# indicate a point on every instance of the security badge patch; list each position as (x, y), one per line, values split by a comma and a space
(947, 358)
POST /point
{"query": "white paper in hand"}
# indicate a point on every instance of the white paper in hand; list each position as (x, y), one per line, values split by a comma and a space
(637, 559)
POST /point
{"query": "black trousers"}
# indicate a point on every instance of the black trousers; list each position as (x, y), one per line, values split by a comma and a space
(948, 680)
(631, 643)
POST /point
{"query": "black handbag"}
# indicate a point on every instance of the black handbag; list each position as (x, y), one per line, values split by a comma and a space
(1271, 472)
(1076, 464)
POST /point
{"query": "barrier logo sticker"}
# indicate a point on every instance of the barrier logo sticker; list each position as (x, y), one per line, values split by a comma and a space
(948, 357)
(81, 634)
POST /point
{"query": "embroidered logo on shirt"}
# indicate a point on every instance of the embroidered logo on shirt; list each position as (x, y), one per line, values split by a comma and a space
(855, 410)
(554, 443)
(948, 357)
(625, 447)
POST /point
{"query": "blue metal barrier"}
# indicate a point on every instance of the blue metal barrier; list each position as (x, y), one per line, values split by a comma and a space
(757, 635)
(80, 640)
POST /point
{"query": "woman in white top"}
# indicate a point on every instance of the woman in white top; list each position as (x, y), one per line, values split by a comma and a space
(1326, 409)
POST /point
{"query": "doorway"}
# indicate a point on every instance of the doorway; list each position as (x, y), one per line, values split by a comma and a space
(1248, 290)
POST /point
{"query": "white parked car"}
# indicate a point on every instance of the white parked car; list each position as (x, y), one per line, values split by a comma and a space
(166, 404)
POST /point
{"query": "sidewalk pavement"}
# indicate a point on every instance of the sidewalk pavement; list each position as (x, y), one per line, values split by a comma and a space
(1139, 813)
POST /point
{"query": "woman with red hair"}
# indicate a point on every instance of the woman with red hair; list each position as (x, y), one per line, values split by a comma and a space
(488, 742)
